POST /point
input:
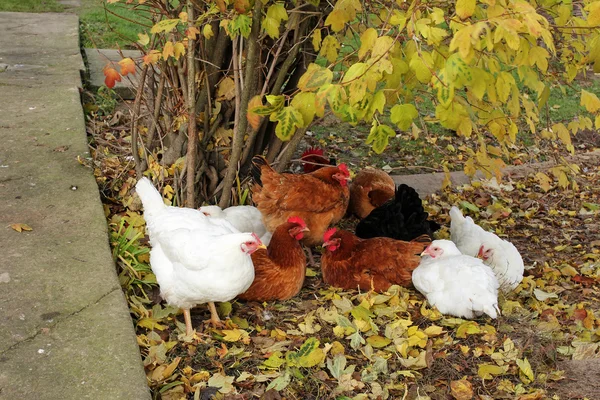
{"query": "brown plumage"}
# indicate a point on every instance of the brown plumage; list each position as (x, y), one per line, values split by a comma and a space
(370, 189)
(319, 198)
(280, 269)
(350, 262)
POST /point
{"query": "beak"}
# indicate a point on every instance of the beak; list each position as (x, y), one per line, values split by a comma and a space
(261, 246)
(328, 243)
(305, 229)
(425, 252)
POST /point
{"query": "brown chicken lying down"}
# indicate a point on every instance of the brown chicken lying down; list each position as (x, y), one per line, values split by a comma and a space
(375, 264)
(370, 188)
(319, 198)
(280, 269)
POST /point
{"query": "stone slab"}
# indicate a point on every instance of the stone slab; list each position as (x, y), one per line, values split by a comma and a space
(98, 59)
(58, 289)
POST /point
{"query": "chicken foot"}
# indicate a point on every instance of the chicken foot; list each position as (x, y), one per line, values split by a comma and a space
(214, 316)
(311, 259)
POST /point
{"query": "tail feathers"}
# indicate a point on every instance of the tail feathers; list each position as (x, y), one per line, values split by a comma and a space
(456, 215)
(151, 198)
(425, 239)
(408, 198)
(256, 171)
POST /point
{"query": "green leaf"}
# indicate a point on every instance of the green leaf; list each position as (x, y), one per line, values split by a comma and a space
(354, 72)
(289, 120)
(403, 115)
(240, 25)
(280, 382)
(307, 356)
(360, 312)
(274, 361)
(469, 206)
(356, 340)
(379, 136)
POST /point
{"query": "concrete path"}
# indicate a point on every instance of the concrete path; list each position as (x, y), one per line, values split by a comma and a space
(65, 329)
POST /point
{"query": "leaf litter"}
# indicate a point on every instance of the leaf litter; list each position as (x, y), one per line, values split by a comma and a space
(329, 343)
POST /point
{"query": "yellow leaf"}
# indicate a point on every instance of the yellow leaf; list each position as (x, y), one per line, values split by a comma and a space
(314, 78)
(207, 31)
(378, 341)
(593, 13)
(590, 101)
(468, 328)
(183, 16)
(526, 373)
(233, 335)
(544, 181)
(367, 41)
(433, 330)
(465, 8)
(462, 389)
(168, 50)
(226, 89)
(488, 371)
(403, 115)
(171, 368)
(316, 39)
(21, 227)
(179, 50)
(563, 134)
(305, 102)
(289, 120)
(144, 39)
(166, 25)
(329, 48)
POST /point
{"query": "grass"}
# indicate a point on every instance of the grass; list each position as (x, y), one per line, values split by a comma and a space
(35, 6)
(110, 26)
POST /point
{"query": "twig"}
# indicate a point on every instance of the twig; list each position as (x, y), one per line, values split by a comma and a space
(191, 108)
(139, 168)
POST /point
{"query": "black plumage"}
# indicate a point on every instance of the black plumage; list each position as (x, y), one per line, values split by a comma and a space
(400, 218)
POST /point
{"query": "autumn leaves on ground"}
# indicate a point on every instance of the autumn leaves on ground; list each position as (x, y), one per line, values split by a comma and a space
(328, 343)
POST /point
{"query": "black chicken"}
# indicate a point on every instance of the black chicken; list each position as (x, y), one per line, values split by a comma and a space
(400, 218)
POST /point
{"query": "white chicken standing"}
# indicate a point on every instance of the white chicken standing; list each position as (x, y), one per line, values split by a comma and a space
(455, 283)
(243, 218)
(196, 259)
(501, 255)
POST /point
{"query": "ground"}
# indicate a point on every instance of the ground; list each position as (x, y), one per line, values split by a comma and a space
(327, 343)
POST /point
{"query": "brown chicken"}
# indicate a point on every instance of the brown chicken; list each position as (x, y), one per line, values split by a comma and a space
(314, 158)
(375, 264)
(280, 269)
(370, 188)
(319, 198)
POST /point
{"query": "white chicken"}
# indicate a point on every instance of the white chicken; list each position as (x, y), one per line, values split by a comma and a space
(243, 218)
(196, 259)
(455, 283)
(501, 255)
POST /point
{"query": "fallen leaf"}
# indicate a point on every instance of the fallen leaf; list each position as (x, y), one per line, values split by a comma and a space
(462, 389)
(21, 227)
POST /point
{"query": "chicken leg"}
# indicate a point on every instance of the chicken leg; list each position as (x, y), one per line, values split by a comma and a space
(214, 316)
(188, 321)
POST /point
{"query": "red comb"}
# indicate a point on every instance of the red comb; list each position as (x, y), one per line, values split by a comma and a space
(297, 220)
(328, 234)
(312, 151)
(342, 167)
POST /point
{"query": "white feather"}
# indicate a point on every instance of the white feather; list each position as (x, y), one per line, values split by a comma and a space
(196, 259)
(243, 218)
(457, 284)
(505, 261)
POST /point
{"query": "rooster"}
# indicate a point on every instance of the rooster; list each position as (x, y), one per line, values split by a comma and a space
(319, 198)
(196, 259)
(370, 189)
(501, 255)
(456, 284)
(243, 218)
(279, 270)
(400, 218)
(373, 264)
(313, 159)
